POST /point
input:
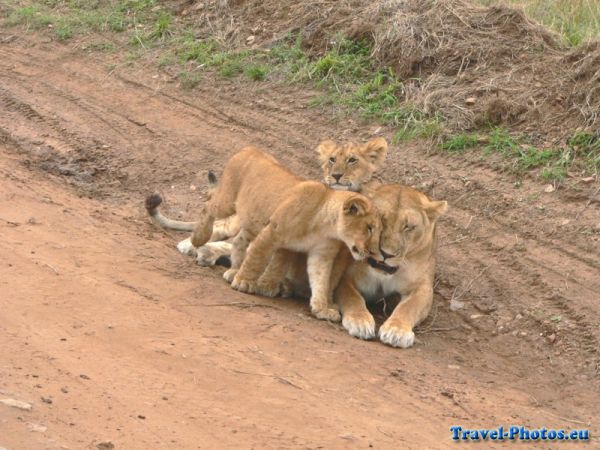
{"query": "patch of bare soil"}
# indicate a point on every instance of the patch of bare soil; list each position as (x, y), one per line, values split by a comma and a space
(131, 344)
(473, 65)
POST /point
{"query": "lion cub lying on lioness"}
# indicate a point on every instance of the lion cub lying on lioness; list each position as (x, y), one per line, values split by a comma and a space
(346, 166)
(287, 214)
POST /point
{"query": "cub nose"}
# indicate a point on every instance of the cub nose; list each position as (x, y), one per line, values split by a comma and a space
(337, 176)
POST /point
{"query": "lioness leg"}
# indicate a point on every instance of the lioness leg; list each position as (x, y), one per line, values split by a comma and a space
(397, 331)
(238, 252)
(356, 318)
(256, 260)
(319, 265)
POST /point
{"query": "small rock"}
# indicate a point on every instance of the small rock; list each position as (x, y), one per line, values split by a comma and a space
(105, 445)
(192, 187)
(47, 400)
(250, 39)
(141, 416)
(588, 179)
(84, 376)
(518, 317)
(552, 338)
(16, 404)
(64, 390)
(549, 188)
(455, 305)
(453, 367)
(470, 101)
(565, 222)
(475, 316)
(36, 428)
(523, 333)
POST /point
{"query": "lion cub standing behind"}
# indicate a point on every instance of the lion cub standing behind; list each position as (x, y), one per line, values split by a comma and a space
(287, 214)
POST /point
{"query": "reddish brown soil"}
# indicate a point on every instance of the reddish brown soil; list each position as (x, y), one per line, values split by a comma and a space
(136, 345)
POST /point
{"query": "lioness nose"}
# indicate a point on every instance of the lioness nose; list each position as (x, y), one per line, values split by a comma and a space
(337, 176)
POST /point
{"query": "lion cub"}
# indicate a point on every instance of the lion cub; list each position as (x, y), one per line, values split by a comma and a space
(279, 211)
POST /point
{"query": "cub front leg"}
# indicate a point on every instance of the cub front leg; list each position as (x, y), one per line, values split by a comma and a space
(356, 318)
(273, 282)
(397, 331)
(257, 258)
(319, 266)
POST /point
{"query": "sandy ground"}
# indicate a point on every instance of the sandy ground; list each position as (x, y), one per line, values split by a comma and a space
(114, 337)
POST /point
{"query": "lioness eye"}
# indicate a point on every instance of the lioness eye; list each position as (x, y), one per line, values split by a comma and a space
(352, 160)
(370, 229)
(332, 159)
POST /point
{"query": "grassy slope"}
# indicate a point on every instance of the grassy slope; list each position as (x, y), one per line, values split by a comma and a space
(345, 74)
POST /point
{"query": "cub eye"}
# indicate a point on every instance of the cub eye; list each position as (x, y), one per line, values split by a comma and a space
(370, 229)
(332, 160)
(409, 227)
(352, 160)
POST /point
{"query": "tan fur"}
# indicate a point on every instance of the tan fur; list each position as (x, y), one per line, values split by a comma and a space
(408, 239)
(350, 166)
(354, 165)
(278, 211)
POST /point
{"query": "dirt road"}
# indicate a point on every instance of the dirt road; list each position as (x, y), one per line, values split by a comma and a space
(115, 337)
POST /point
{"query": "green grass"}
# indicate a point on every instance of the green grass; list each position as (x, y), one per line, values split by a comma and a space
(189, 80)
(257, 73)
(460, 142)
(576, 20)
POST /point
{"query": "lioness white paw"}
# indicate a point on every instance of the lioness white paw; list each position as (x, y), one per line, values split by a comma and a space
(229, 275)
(331, 314)
(186, 247)
(396, 336)
(360, 324)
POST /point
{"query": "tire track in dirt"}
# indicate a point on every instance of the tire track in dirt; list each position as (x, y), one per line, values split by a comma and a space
(208, 110)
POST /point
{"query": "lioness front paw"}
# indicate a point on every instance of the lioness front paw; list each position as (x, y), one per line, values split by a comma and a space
(395, 336)
(229, 275)
(360, 324)
(241, 285)
(331, 314)
(186, 247)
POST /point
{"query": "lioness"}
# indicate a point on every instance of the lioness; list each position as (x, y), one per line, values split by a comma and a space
(291, 214)
(407, 243)
(346, 166)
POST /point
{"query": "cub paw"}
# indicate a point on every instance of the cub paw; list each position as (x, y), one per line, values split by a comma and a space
(206, 257)
(241, 285)
(330, 314)
(186, 247)
(395, 336)
(359, 324)
(229, 275)
(268, 288)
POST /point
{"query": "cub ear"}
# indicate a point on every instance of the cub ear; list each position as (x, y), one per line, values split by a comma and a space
(356, 206)
(375, 151)
(435, 209)
(325, 149)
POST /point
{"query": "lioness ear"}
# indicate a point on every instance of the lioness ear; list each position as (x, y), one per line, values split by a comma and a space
(325, 148)
(375, 151)
(435, 209)
(356, 206)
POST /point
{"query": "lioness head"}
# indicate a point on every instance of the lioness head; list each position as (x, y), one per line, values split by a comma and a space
(359, 227)
(346, 167)
(408, 220)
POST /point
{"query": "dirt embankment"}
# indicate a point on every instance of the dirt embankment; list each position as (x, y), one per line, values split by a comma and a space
(473, 65)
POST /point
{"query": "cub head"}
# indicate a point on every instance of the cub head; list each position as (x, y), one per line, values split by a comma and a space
(359, 226)
(408, 219)
(346, 167)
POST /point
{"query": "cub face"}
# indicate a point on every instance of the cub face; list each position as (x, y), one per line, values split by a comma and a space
(347, 167)
(359, 227)
(408, 220)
